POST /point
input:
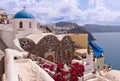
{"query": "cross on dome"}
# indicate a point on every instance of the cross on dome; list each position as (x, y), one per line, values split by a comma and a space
(24, 7)
(23, 14)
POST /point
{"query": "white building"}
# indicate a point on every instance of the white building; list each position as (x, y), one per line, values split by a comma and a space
(22, 25)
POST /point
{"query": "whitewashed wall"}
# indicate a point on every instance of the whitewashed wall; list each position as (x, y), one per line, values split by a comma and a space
(25, 24)
(89, 68)
(10, 70)
(99, 62)
(7, 37)
(22, 34)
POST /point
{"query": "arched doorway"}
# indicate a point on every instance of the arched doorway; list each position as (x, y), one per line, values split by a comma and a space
(50, 58)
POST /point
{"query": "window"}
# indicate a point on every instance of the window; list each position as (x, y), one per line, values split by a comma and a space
(48, 39)
(21, 25)
(24, 43)
(30, 25)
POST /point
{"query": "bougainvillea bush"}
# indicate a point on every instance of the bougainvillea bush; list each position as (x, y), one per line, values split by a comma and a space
(59, 73)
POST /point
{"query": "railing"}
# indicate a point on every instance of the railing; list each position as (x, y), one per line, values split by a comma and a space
(10, 71)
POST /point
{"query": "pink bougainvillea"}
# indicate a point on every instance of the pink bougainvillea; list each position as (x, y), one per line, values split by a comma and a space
(60, 74)
(76, 71)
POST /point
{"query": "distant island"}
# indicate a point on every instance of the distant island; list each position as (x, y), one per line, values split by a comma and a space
(101, 28)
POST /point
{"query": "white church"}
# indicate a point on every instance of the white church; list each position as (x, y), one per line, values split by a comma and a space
(22, 25)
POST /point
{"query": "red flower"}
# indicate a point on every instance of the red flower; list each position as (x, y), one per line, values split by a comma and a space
(46, 66)
(59, 67)
(59, 77)
(77, 70)
(52, 67)
(64, 73)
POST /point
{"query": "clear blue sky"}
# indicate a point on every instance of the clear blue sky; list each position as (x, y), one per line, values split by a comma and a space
(78, 11)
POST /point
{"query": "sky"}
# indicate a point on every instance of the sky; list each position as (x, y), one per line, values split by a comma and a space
(105, 12)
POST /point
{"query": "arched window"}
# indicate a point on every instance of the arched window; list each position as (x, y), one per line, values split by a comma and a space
(21, 25)
(30, 25)
(24, 44)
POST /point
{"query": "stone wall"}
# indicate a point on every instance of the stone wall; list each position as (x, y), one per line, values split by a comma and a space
(63, 50)
(67, 49)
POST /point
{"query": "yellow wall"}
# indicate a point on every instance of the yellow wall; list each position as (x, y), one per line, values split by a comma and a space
(80, 40)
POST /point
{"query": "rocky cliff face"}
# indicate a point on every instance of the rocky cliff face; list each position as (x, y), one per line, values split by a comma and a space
(74, 28)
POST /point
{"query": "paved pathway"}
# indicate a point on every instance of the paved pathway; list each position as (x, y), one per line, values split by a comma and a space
(26, 71)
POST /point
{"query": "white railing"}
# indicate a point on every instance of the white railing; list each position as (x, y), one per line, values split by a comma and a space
(10, 71)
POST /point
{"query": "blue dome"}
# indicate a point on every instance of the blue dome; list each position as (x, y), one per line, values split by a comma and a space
(24, 14)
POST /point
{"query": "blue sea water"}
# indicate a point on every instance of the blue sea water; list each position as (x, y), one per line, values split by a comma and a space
(110, 42)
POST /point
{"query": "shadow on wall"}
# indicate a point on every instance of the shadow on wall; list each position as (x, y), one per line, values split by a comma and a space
(2, 45)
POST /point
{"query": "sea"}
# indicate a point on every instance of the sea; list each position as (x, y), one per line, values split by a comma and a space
(110, 42)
